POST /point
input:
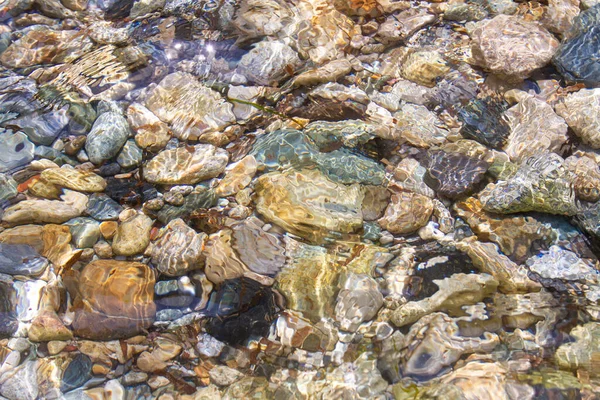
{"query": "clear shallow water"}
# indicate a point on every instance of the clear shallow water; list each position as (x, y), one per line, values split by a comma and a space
(302, 199)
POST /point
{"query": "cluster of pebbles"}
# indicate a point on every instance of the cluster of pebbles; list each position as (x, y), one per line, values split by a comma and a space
(299, 199)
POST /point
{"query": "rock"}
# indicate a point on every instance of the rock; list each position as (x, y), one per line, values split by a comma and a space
(560, 15)
(16, 151)
(465, 12)
(178, 249)
(133, 235)
(114, 299)
(563, 266)
(145, 7)
(257, 18)
(307, 204)
(200, 198)
(112, 390)
(8, 303)
(454, 292)
(535, 129)
(297, 332)
(483, 120)
(8, 188)
(238, 177)
(424, 67)
(406, 213)
(419, 126)
(222, 262)
(45, 46)
(575, 58)
(542, 184)
(48, 326)
(358, 301)
(84, 231)
(403, 25)
(42, 127)
(21, 259)
(21, 383)
(266, 63)
(329, 72)
(193, 111)
(485, 256)
(587, 178)
(580, 353)
(186, 165)
(512, 46)
(517, 236)
(130, 155)
(409, 176)
(78, 372)
(103, 208)
(224, 376)
(453, 174)
(150, 132)
(46, 211)
(329, 136)
(74, 179)
(108, 135)
(580, 110)
(262, 252)
(240, 309)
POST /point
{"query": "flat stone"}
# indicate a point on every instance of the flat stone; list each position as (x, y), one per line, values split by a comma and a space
(46, 211)
(103, 208)
(581, 111)
(150, 132)
(186, 165)
(453, 174)
(85, 232)
(74, 179)
(266, 63)
(238, 177)
(21, 259)
(358, 301)
(130, 155)
(114, 300)
(47, 326)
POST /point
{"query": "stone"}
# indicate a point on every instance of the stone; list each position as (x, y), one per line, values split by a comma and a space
(511, 46)
(21, 383)
(403, 25)
(330, 136)
(57, 246)
(150, 132)
(580, 110)
(130, 155)
(266, 63)
(261, 251)
(297, 332)
(484, 121)
(47, 326)
(486, 257)
(108, 135)
(587, 177)
(454, 292)
(516, 236)
(72, 205)
(535, 129)
(133, 235)
(453, 174)
(308, 204)
(21, 259)
(419, 126)
(256, 18)
(8, 302)
(329, 72)
(74, 179)
(112, 390)
(85, 232)
(42, 128)
(406, 212)
(239, 309)
(114, 299)
(186, 165)
(178, 249)
(424, 67)
(358, 301)
(237, 177)
(564, 265)
(575, 58)
(103, 208)
(560, 15)
(224, 376)
(8, 188)
(199, 199)
(581, 353)
(45, 46)
(222, 262)
(16, 150)
(542, 184)
(191, 109)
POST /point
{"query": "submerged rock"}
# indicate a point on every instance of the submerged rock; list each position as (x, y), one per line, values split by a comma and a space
(73, 204)
(581, 111)
(21, 259)
(406, 212)
(581, 353)
(16, 151)
(266, 63)
(108, 135)
(542, 183)
(453, 174)
(114, 299)
(483, 120)
(358, 301)
(74, 179)
(178, 249)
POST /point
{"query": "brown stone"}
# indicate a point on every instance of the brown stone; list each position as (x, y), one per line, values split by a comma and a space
(115, 299)
(406, 213)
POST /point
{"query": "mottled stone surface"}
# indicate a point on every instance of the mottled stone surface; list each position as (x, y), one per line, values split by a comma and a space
(190, 108)
(74, 179)
(72, 205)
(21, 259)
(238, 177)
(114, 299)
(453, 174)
(265, 64)
(424, 67)
(419, 126)
(178, 249)
(406, 213)
(583, 351)
(150, 132)
(108, 135)
(261, 251)
(358, 301)
(535, 129)
(542, 183)
(308, 204)
(103, 208)
(512, 46)
(16, 151)
(186, 165)
(581, 110)
(587, 177)
(483, 120)
(133, 235)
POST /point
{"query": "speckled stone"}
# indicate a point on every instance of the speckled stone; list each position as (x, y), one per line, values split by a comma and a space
(74, 179)
(108, 135)
(130, 155)
(72, 205)
(103, 208)
(133, 235)
(581, 110)
(453, 174)
(406, 213)
(16, 151)
(178, 249)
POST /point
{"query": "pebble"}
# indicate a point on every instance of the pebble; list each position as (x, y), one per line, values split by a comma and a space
(108, 135)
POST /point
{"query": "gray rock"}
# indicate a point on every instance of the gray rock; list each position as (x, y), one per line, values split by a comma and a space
(21, 259)
(85, 232)
(266, 63)
(108, 135)
(130, 155)
(103, 208)
(16, 151)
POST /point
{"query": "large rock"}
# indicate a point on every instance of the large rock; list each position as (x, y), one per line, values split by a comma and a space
(308, 204)
(542, 184)
(114, 299)
(73, 204)
(178, 249)
(581, 110)
(453, 174)
(582, 353)
(510, 45)
(16, 151)
(108, 135)
(406, 212)
(133, 235)
(150, 132)
(74, 179)
(192, 109)
(266, 63)
(186, 165)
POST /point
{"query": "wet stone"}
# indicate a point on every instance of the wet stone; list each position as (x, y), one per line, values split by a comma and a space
(484, 122)
(108, 135)
(103, 208)
(240, 309)
(21, 259)
(201, 198)
(85, 232)
(129, 191)
(178, 249)
(453, 174)
(16, 150)
(8, 316)
(130, 155)
(78, 372)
